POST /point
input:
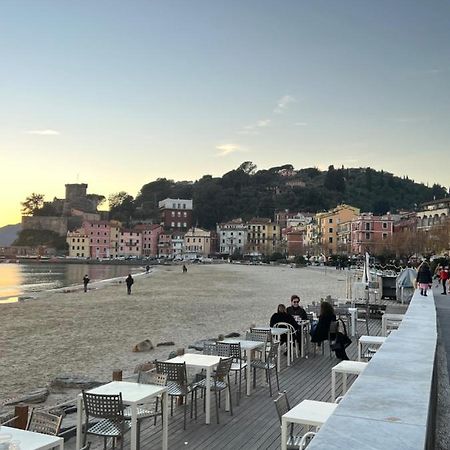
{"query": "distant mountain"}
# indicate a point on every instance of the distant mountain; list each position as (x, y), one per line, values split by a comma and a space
(8, 234)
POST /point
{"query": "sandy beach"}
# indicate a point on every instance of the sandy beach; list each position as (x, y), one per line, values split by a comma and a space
(94, 333)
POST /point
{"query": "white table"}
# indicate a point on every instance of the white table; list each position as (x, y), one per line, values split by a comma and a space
(277, 333)
(133, 394)
(247, 347)
(369, 340)
(390, 318)
(29, 440)
(207, 362)
(308, 412)
(345, 367)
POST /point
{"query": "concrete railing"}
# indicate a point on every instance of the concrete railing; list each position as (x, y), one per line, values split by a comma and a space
(391, 405)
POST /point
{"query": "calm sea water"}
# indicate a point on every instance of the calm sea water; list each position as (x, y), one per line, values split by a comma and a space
(23, 279)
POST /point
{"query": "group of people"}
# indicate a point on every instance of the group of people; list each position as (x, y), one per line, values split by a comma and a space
(129, 281)
(425, 277)
(294, 314)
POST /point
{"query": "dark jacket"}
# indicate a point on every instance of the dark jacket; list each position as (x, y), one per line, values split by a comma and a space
(320, 332)
(283, 317)
(297, 311)
(424, 274)
(129, 280)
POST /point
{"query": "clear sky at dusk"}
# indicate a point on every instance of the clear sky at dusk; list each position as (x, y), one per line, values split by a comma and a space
(118, 93)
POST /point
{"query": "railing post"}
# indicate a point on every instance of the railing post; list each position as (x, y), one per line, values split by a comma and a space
(21, 412)
(117, 375)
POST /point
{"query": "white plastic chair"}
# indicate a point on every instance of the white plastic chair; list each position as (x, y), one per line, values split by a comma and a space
(306, 439)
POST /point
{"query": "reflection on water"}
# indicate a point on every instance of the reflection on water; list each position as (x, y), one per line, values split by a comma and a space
(22, 279)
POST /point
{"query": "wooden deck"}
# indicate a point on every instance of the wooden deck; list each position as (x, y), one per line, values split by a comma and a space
(254, 424)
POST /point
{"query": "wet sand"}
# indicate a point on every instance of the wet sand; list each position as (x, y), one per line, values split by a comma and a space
(93, 333)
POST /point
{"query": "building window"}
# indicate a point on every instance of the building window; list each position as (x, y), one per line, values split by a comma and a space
(367, 226)
(367, 236)
(73, 247)
(330, 240)
(384, 225)
(330, 230)
(330, 220)
(172, 224)
(385, 235)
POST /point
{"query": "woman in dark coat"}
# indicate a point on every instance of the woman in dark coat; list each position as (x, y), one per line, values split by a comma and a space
(327, 315)
(424, 278)
(282, 316)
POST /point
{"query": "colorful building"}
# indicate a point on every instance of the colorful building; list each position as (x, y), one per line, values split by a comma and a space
(371, 233)
(199, 242)
(176, 214)
(130, 243)
(99, 234)
(232, 237)
(78, 242)
(263, 237)
(150, 236)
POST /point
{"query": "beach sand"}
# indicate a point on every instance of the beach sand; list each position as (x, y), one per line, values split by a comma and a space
(94, 333)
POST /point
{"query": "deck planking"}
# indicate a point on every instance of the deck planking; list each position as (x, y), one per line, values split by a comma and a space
(254, 424)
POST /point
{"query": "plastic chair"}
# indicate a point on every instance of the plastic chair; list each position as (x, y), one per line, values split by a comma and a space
(109, 409)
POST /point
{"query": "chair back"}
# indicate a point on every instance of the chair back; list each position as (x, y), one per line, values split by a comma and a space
(44, 422)
(272, 354)
(223, 368)
(223, 349)
(254, 336)
(174, 371)
(266, 333)
(306, 440)
(103, 406)
(285, 325)
(209, 348)
(86, 447)
(282, 404)
(236, 352)
(159, 379)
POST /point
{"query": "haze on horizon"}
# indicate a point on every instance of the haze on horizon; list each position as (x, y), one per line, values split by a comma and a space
(116, 94)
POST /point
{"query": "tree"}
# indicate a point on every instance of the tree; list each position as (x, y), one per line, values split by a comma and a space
(32, 203)
(247, 167)
(121, 206)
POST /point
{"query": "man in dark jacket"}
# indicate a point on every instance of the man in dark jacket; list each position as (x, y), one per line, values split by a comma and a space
(296, 310)
(129, 280)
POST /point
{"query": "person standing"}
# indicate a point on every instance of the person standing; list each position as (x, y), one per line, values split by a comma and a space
(184, 269)
(424, 278)
(147, 268)
(443, 275)
(129, 281)
(85, 282)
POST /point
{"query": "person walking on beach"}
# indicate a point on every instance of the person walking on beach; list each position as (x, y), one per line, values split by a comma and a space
(129, 280)
(424, 278)
(85, 282)
(147, 268)
(184, 268)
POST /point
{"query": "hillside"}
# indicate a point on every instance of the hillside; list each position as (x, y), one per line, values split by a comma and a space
(246, 192)
(8, 234)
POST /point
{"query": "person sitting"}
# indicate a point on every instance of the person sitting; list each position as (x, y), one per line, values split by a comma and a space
(282, 316)
(296, 310)
(319, 333)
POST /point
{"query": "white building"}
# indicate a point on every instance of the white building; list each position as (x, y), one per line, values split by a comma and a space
(232, 237)
(433, 214)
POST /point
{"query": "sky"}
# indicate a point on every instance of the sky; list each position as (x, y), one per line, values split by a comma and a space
(118, 93)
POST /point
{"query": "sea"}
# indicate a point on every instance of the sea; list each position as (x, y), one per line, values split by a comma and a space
(23, 280)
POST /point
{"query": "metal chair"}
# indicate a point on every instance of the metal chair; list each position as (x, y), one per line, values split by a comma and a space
(306, 439)
(209, 348)
(282, 406)
(145, 412)
(86, 447)
(268, 365)
(44, 422)
(109, 409)
(258, 336)
(332, 334)
(290, 338)
(177, 383)
(238, 365)
(223, 349)
(220, 382)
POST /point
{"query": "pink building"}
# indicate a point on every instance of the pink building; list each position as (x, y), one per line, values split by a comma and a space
(165, 245)
(371, 233)
(149, 235)
(130, 243)
(99, 234)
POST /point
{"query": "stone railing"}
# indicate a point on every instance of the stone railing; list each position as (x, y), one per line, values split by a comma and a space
(391, 405)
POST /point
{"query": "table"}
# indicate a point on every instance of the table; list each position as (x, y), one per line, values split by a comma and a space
(29, 440)
(389, 317)
(247, 347)
(277, 332)
(207, 362)
(369, 340)
(308, 412)
(345, 367)
(133, 394)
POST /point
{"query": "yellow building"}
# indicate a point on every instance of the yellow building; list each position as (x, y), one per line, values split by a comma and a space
(198, 242)
(329, 223)
(114, 238)
(263, 237)
(78, 242)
